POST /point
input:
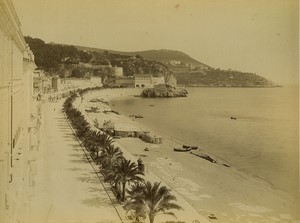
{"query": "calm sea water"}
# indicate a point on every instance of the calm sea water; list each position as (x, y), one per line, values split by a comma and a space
(263, 140)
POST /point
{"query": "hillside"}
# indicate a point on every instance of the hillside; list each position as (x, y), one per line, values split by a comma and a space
(63, 60)
(66, 60)
(190, 72)
(162, 55)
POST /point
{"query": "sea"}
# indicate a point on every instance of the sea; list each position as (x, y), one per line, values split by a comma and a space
(261, 138)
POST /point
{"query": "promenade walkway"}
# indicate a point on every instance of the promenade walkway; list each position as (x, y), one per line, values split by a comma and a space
(67, 189)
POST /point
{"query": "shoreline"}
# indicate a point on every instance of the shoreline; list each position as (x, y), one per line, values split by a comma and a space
(218, 158)
(181, 161)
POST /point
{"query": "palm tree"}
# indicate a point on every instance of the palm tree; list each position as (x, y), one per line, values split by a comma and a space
(110, 156)
(92, 142)
(136, 190)
(154, 200)
(105, 140)
(126, 172)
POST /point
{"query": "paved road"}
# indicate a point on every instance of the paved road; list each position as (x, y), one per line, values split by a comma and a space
(66, 186)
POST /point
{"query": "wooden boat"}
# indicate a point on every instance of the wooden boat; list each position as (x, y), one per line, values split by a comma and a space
(233, 118)
(204, 156)
(191, 147)
(182, 149)
(136, 116)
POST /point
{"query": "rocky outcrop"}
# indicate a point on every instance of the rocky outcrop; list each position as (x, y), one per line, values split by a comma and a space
(165, 91)
(170, 80)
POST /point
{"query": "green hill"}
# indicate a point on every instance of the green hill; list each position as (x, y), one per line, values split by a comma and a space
(162, 55)
(60, 59)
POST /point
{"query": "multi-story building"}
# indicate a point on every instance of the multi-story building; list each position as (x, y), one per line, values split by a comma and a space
(17, 117)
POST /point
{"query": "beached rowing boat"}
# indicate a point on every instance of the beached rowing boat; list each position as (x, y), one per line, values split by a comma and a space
(205, 156)
(192, 147)
(182, 149)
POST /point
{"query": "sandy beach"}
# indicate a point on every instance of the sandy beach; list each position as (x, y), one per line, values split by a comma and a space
(210, 188)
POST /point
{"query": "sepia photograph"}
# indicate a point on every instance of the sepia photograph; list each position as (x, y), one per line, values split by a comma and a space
(139, 111)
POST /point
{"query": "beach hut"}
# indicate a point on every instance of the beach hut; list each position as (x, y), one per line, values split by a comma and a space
(127, 130)
(152, 138)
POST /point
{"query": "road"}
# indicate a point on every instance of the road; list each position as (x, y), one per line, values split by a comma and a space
(66, 189)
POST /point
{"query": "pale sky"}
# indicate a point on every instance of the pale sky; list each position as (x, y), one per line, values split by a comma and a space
(258, 36)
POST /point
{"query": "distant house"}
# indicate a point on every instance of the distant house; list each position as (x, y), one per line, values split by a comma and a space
(56, 83)
(38, 82)
(143, 81)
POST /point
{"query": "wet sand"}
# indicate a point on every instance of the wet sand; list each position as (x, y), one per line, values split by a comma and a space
(211, 188)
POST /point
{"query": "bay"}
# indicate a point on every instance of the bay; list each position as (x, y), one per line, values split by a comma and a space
(262, 140)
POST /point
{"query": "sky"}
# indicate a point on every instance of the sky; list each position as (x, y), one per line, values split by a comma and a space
(259, 36)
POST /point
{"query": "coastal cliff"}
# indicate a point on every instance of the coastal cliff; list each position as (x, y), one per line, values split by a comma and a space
(164, 91)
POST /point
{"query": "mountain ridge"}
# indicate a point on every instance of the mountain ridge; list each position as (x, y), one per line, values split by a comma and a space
(161, 55)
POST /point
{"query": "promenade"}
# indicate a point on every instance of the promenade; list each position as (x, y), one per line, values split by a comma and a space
(66, 189)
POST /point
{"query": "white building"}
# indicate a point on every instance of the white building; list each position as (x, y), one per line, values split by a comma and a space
(143, 81)
(147, 80)
(17, 118)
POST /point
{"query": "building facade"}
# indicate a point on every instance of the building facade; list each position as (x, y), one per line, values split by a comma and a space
(143, 81)
(17, 118)
(147, 81)
(125, 82)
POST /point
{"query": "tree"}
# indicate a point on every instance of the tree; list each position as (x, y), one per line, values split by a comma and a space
(137, 189)
(110, 156)
(77, 73)
(155, 199)
(105, 140)
(125, 172)
(93, 142)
